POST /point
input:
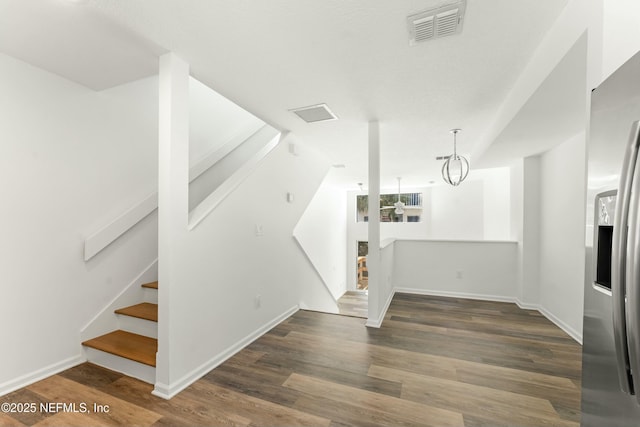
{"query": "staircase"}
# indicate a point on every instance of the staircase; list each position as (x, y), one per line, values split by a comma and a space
(131, 349)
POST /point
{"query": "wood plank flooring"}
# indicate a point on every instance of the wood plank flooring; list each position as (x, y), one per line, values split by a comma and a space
(434, 362)
(354, 303)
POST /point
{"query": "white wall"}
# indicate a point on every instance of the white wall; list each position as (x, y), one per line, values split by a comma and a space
(219, 172)
(213, 120)
(478, 209)
(465, 269)
(578, 17)
(540, 282)
(562, 225)
(621, 33)
(71, 160)
(387, 275)
(222, 266)
(497, 204)
(322, 235)
(457, 212)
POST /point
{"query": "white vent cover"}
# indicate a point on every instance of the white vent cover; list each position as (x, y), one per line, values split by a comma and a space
(315, 113)
(435, 23)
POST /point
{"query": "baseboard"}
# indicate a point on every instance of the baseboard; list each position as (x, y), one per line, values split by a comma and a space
(526, 305)
(562, 325)
(465, 295)
(376, 323)
(40, 374)
(167, 391)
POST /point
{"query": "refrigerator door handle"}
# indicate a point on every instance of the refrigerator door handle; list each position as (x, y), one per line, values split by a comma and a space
(633, 271)
(619, 256)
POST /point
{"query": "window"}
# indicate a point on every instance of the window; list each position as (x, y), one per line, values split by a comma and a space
(412, 207)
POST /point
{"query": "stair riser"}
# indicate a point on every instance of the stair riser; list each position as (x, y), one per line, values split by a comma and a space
(128, 367)
(150, 295)
(138, 326)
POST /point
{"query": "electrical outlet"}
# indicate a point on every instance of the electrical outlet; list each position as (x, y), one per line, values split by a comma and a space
(258, 301)
(259, 230)
(459, 274)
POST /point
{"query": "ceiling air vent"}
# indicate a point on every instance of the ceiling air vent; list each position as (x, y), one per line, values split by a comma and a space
(315, 113)
(435, 23)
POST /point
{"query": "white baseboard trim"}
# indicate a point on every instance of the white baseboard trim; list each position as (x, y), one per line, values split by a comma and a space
(562, 325)
(167, 391)
(40, 374)
(526, 305)
(553, 318)
(376, 323)
(465, 295)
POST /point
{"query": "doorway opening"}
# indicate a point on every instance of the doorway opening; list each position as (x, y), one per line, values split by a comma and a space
(362, 280)
(356, 303)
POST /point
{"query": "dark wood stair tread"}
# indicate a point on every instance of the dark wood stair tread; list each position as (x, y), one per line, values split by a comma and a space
(143, 310)
(152, 285)
(125, 344)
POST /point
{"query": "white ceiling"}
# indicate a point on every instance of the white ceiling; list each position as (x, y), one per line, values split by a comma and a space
(75, 42)
(555, 112)
(272, 56)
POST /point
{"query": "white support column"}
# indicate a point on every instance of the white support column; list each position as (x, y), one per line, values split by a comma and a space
(373, 257)
(173, 196)
(531, 231)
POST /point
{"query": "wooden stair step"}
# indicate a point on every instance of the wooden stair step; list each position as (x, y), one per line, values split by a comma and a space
(125, 344)
(145, 310)
(152, 285)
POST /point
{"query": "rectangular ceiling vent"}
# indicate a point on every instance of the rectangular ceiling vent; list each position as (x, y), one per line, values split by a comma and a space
(315, 113)
(435, 23)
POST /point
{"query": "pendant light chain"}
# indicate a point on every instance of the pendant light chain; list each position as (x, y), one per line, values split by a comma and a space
(455, 133)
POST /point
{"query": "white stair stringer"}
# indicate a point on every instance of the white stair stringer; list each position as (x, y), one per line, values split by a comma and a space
(241, 158)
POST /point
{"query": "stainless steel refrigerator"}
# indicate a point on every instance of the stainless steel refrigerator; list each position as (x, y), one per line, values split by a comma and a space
(611, 328)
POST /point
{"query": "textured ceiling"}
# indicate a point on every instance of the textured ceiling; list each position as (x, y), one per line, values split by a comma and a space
(272, 56)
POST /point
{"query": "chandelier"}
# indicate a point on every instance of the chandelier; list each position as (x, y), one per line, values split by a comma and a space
(455, 168)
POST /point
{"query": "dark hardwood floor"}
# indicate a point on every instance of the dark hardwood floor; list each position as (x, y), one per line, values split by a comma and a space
(434, 362)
